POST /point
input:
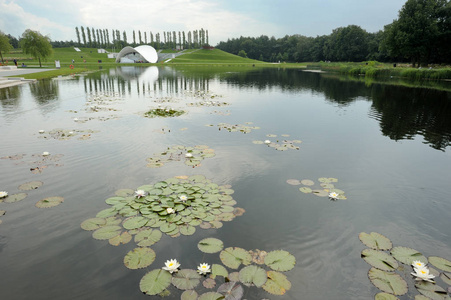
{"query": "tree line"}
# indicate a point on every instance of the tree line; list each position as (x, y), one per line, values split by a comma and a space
(90, 37)
(421, 35)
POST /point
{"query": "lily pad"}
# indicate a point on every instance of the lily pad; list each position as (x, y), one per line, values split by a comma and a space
(385, 296)
(139, 258)
(49, 202)
(293, 181)
(147, 237)
(388, 282)
(233, 257)
(155, 282)
(253, 275)
(431, 290)
(211, 296)
(306, 190)
(108, 212)
(15, 198)
(106, 232)
(280, 260)
(93, 223)
(32, 185)
(135, 222)
(189, 295)
(407, 255)
(124, 192)
(231, 290)
(375, 241)
(441, 263)
(186, 279)
(210, 245)
(218, 270)
(307, 182)
(320, 193)
(209, 283)
(277, 283)
(123, 238)
(446, 277)
(380, 260)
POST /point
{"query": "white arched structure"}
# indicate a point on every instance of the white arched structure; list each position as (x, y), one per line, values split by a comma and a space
(144, 53)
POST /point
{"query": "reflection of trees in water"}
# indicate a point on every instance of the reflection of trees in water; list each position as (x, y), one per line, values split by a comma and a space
(10, 96)
(44, 90)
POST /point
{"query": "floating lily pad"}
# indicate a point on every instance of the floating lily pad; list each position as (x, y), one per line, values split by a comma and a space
(210, 245)
(161, 112)
(108, 212)
(231, 290)
(441, 263)
(233, 257)
(147, 237)
(211, 296)
(307, 182)
(209, 283)
(407, 255)
(306, 190)
(277, 283)
(139, 258)
(385, 296)
(388, 282)
(49, 202)
(135, 222)
(15, 198)
(218, 270)
(32, 185)
(446, 277)
(93, 223)
(258, 256)
(107, 232)
(293, 181)
(189, 295)
(186, 279)
(379, 259)
(253, 275)
(123, 238)
(280, 260)
(155, 282)
(124, 192)
(431, 290)
(375, 241)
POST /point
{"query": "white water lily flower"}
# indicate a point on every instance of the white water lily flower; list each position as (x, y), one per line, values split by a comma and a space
(3, 194)
(170, 210)
(418, 264)
(422, 274)
(333, 195)
(45, 153)
(171, 265)
(71, 132)
(183, 197)
(203, 269)
(41, 131)
(267, 142)
(188, 155)
(140, 193)
(75, 119)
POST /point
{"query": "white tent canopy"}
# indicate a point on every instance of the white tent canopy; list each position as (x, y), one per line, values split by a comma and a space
(144, 53)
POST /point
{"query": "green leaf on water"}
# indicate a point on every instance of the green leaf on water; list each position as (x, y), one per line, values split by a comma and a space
(189, 295)
(293, 181)
(108, 212)
(147, 237)
(123, 238)
(233, 257)
(93, 223)
(306, 190)
(49, 202)
(446, 277)
(15, 198)
(231, 290)
(168, 227)
(379, 259)
(375, 241)
(253, 275)
(385, 296)
(210, 245)
(211, 296)
(139, 258)
(135, 222)
(155, 282)
(307, 182)
(441, 263)
(280, 260)
(431, 290)
(124, 192)
(388, 282)
(187, 230)
(407, 255)
(106, 232)
(32, 185)
(277, 283)
(186, 279)
(218, 270)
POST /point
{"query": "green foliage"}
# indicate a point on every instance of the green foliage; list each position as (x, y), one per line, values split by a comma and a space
(36, 45)
(5, 46)
(242, 53)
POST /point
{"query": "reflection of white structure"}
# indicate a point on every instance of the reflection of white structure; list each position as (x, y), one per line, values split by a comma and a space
(143, 53)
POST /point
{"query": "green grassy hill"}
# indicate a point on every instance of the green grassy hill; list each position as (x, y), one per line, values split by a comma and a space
(214, 56)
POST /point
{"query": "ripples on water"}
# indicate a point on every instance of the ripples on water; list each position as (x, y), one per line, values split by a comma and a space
(390, 155)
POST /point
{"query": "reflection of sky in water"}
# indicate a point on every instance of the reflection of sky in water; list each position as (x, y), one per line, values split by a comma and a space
(386, 182)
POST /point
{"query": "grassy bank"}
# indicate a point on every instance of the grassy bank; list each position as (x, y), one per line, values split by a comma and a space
(374, 69)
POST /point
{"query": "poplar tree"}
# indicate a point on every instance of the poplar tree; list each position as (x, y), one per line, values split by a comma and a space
(83, 35)
(78, 35)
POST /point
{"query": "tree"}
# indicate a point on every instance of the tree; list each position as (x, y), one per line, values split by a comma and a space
(83, 35)
(5, 46)
(124, 35)
(134, 38)
(140, 39)
(94, 43)
(35, 44)
(88, 31)
(242, 53)
(78, 35)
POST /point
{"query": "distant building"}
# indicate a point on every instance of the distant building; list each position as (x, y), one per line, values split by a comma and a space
(143, 53)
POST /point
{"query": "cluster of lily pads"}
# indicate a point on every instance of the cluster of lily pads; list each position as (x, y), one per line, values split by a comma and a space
(66, 134)
(43, 161)
(163, 112)
(244, 128)
(326, 189)
(221, 113)
(260, 269)
(283, 145)
(388, 269)
(192, 156)
(207, 103)
(28, 186)
(204, 94)
(100, 118)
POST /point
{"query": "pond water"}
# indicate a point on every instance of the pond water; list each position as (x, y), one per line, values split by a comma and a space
(388, 146)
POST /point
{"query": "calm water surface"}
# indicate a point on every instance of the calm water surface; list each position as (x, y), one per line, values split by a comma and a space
(388, 146)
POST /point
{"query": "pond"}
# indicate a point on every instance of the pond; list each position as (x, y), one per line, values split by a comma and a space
(265, 149)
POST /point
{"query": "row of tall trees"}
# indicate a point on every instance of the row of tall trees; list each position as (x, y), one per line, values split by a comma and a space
(90, 37)
(421, 34)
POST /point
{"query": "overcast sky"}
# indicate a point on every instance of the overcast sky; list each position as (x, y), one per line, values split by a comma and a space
(222, 18)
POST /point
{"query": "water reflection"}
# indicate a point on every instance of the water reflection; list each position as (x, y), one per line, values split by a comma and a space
(44, 90)
(10, 97)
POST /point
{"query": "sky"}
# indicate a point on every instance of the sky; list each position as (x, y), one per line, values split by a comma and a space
(224, 19)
